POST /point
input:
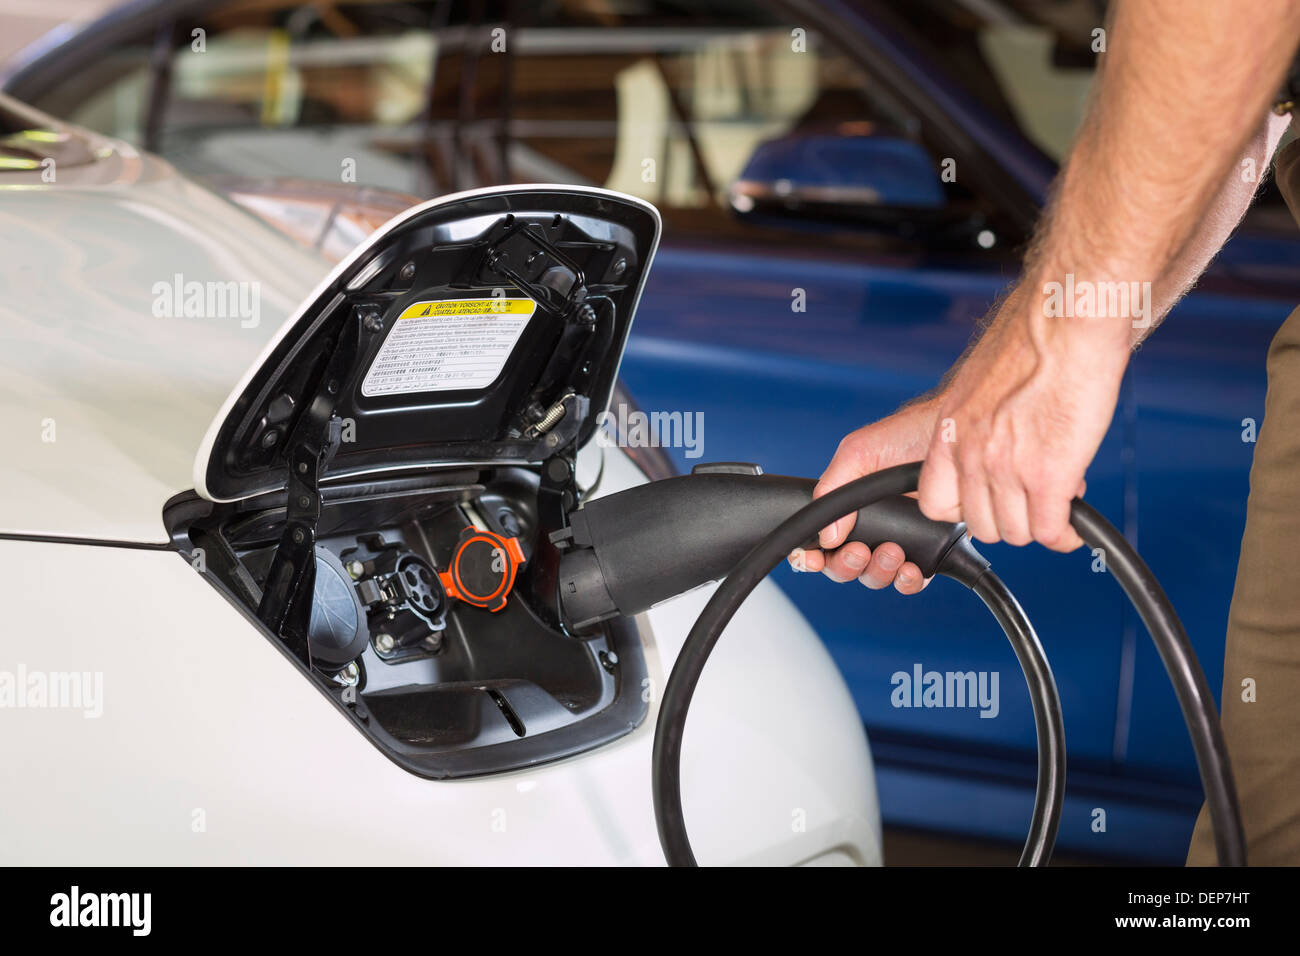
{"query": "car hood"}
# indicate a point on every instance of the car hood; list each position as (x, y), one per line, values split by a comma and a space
(483, 327)
(107, 380)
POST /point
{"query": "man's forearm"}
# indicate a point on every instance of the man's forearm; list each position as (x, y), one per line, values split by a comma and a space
(1154, 183)
(1221, 218)
(1152, 188)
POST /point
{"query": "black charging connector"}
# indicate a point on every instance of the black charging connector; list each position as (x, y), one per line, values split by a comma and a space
(629, 551)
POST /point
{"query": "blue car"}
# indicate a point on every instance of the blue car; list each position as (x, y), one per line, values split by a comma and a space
(847, 187)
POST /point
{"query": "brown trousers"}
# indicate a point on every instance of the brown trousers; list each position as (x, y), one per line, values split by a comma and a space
(1262, 658)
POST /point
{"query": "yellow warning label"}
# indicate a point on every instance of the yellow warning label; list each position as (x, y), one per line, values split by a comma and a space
(493, 306)
(450, 344)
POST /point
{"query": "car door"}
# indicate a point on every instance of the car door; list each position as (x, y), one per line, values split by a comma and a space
(1198, 405)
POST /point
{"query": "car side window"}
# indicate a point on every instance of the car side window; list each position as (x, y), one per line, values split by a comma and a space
(724, 114)
(727, 117)
(281, 87)
(675, 113)
(303, 90)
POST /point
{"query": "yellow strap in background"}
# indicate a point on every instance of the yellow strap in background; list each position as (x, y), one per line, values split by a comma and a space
(275, 108)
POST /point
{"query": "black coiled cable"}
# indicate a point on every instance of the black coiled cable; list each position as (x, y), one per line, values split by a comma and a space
(1048, 723)
(1133, 575)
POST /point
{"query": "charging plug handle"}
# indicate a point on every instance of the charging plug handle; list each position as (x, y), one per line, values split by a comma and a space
(629, 551)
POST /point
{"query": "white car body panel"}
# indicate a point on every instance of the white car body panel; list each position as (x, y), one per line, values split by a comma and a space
(128, 394)
(212, 748)
(210, 745)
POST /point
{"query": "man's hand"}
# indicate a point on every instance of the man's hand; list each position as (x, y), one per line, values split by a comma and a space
(902, 437)
(1020, 422)
(1006, 441)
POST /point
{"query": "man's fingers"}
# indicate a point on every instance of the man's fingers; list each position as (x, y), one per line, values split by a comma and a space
(832, 535)
(1049, 522)
(910, 580)
(937, 486)
(842, 469)
(977, 506)
(884, 566)
(994, 508)
(1011, 511)
(848, 562)
(802, 560)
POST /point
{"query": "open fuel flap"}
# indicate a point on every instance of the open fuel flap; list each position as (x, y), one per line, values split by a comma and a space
(379, 491)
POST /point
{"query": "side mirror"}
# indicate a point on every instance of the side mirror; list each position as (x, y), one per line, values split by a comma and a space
(880, 179)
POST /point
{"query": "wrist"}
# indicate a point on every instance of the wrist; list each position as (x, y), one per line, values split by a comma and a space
(1027, 340)
(1104, 304)
(924, 411)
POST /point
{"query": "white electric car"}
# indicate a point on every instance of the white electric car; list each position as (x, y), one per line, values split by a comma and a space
(277, 580)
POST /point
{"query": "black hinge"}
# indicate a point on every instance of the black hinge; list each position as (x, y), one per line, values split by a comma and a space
(538, 268)
(290, 583)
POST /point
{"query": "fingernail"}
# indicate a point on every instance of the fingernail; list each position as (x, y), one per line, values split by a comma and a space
(797, 560)
(826, 538)
(906, 576)
(890, 561)
(855, 560)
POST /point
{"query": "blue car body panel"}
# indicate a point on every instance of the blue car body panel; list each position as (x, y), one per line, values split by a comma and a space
(1172, 473)
(716, 333)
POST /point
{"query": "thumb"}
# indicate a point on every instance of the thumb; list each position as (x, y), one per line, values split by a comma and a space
(938, 487)
(844, 467)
